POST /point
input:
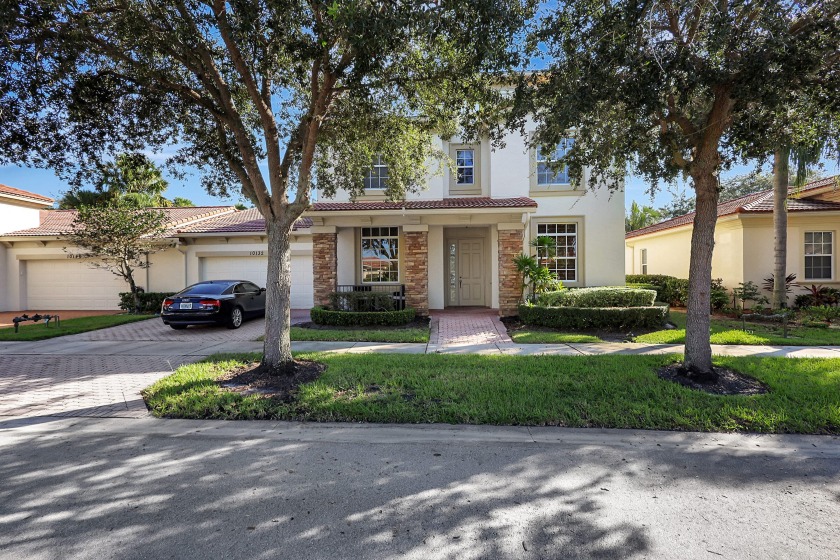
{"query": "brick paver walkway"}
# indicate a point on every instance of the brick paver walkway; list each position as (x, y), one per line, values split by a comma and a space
(468, 327)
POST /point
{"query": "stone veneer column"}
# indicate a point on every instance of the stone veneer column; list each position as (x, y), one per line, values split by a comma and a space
(416, 262)
(510, 245)
(324, 263)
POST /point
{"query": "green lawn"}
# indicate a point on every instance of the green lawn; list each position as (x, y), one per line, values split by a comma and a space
(38, 331)
(730, 331)
(596, 391)
(359, 335)
(539, 336)
(724, 331)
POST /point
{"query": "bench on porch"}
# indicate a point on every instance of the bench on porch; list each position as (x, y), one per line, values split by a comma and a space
(397, 291)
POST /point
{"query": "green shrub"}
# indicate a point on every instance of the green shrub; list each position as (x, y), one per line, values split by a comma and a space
(598, 297)
(822, 313)
(321, 316)
(150, 302)
(362, 301)
(719, 295)
(579, 318)
(671, 290)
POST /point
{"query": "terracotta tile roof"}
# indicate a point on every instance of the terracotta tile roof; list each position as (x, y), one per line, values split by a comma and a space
(4, 189)
(60, 222)
(446, 203)
(241, 221)
(752, 203)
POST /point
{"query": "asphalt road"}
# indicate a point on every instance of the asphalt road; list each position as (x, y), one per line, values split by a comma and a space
(87, 488)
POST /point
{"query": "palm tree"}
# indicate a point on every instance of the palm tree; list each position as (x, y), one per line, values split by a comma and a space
(803, 157)
(640, 216)
(132, 180)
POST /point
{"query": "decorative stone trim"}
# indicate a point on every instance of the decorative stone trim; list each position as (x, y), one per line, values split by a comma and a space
(324, 266)
(510, 245)
(416, 262)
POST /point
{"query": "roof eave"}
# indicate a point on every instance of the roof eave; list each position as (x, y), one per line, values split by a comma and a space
(415, 211)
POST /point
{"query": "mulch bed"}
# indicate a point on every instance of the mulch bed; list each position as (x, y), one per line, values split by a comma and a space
(730, 382)
(513, 324)
(253, 379)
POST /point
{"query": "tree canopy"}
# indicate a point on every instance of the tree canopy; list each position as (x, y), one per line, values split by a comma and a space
(669, 88)
(254, 93)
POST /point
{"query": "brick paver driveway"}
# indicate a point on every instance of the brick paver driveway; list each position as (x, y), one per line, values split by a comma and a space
(101, 373)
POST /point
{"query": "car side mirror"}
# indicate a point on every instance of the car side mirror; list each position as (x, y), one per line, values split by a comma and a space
(262, 290)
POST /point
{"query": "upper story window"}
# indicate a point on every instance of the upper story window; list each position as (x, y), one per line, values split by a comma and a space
(380, 255)
(465, 164)
(466, 176)
(376, 176)
(819, 251)
(547, 174)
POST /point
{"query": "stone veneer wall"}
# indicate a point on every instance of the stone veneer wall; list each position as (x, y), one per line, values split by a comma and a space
(416, 262)
(324, 266)
(510, 245)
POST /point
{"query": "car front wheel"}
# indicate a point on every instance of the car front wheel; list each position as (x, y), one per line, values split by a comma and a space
(235, 319)
(178, 327)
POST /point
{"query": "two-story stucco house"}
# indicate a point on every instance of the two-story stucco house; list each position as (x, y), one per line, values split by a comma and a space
(450, 245)
(453, 244)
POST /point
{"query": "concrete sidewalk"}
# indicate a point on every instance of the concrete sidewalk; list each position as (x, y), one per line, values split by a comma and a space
(129, 489)
(67, 346)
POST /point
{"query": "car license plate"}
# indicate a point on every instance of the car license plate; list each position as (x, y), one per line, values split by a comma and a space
(185, 306)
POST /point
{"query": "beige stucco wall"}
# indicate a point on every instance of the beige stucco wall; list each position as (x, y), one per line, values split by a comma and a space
(669, 252)
(758, 242)
(15, 215)
(743, 249)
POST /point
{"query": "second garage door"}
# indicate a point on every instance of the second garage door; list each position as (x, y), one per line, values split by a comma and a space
(254, 270)
(54, 285)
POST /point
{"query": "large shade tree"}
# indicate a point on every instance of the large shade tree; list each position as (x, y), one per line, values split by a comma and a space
(656, 86)
(265, 95)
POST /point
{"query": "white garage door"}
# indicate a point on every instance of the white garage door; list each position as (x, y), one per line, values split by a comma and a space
(254, 270)
(71, 284)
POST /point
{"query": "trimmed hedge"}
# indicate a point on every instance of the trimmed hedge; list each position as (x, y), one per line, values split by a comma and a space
(674, 291)
(598, 297)
(579, 318)
(322, 316)
(150, 302)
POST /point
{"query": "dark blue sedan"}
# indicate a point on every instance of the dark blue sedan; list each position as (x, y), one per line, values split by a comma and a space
(220, 302)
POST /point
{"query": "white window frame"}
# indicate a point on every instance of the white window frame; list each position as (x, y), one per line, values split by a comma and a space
(564, 185)
(576, 259)
(822, 243)
(643, 257)
(456, 188)
(373, 173)
(393, 234)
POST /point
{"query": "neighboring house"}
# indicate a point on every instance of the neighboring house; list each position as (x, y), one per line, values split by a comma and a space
(18, 210)
(450, 245)
(744, 239)
(203, 243)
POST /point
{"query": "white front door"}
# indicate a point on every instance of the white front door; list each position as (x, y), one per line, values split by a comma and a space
(469, 272)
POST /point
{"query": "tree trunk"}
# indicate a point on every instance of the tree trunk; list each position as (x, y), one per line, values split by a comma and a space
(781, 157)
(698, 350)
(277, 356)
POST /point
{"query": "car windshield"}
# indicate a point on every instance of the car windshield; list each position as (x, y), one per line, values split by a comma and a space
(207, 289)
